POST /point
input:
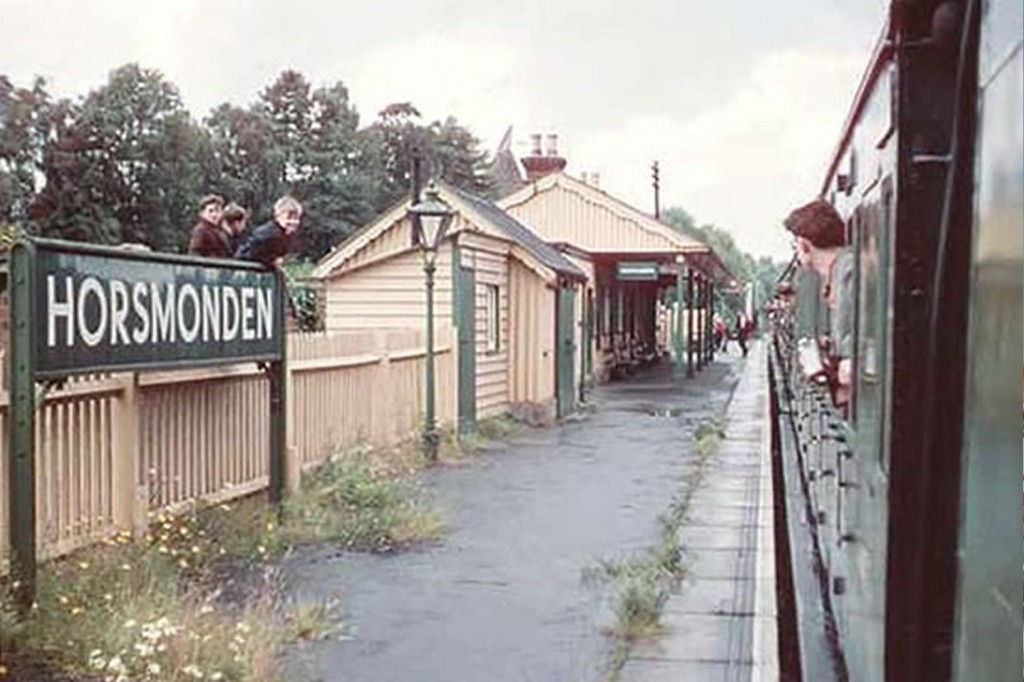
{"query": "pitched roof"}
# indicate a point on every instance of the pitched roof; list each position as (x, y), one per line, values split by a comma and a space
(499, 223)
(696, 252)
(520, 234)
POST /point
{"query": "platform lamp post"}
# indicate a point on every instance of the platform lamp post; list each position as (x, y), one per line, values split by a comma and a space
(430, 220)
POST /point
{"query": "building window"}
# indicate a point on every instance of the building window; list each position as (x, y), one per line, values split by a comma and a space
(493, 308)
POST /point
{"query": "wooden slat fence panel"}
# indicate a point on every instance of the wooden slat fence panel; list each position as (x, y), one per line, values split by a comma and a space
(112, 447)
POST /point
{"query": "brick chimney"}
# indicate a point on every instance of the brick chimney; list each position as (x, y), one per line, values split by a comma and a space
(539, 164)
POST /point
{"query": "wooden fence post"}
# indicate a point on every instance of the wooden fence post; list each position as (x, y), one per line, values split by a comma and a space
(293, 456)
(386, 415)
(128, 510)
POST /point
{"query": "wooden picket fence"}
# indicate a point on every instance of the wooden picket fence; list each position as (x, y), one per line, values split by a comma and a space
(111, 449)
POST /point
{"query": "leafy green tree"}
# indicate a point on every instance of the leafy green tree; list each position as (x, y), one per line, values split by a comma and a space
(24, 127)
(127, 163)
(744, 268)
(124, 164)
(448, 151)
(304, 142)
(245, 165)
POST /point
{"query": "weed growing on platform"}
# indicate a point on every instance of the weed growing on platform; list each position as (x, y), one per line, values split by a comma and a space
(644, 583)
(357, 502)
(455, 446)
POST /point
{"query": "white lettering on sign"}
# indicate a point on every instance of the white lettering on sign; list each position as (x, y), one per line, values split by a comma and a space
(90, 285)
(230, 313)
(163, 314)
(122, 314)
(248, 333)
(264, 312)
(118, 313)
(188, 293)
(55, 309)
(139, 293)
(211, 314)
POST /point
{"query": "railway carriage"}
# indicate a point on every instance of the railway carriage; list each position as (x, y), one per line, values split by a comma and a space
(903, 552)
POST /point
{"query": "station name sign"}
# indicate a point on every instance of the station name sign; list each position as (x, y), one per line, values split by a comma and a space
(100, 309)
(635, 271)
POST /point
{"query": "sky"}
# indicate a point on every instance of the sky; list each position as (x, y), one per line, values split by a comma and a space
(741, 102)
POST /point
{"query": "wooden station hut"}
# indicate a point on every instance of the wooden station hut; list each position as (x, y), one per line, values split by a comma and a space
(509, 299)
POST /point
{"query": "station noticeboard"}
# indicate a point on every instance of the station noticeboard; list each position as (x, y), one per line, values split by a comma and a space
(80, 308)
(637, 271)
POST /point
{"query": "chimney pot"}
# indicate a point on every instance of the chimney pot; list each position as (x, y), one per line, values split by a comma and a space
(539, 164)
(535, 144)
(553, 144)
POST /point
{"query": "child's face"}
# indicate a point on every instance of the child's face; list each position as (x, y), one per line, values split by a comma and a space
(211, 213)
(289, 221)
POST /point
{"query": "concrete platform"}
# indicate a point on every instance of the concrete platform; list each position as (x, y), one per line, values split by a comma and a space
(721, 626)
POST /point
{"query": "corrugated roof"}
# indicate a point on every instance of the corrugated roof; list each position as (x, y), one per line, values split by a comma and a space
(548, 255)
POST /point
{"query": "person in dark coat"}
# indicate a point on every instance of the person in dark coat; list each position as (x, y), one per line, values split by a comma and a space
(208, 237)
(271, 241)
(742, 333)
(233, 221)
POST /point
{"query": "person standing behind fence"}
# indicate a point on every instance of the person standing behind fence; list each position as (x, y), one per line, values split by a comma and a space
(271, 242)
(208, 237)
(233, 222)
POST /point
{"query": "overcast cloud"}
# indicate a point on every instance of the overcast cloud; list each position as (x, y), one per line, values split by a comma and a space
(740, 104)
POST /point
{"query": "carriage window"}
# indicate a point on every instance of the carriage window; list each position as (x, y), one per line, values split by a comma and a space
(871, 342)
(493, 308)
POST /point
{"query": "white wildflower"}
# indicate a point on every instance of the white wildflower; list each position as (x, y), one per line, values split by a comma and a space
(192, 671)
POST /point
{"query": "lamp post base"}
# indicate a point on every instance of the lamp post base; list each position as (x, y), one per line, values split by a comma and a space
(430, 443)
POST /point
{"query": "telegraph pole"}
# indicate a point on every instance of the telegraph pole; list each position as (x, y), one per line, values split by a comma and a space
(655, 176)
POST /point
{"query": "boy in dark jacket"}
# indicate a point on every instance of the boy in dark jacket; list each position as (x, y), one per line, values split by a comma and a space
(271, 241)
(208, 237)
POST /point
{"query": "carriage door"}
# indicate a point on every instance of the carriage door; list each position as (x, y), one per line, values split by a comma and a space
(566, 344)
(466, 322)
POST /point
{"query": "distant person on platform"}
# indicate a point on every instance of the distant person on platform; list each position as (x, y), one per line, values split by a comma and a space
(208, 237)
(233, 222)
(819, 236)
(743, 329)
(272, 241)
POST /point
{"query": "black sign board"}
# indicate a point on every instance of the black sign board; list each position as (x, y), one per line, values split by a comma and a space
(109, 310)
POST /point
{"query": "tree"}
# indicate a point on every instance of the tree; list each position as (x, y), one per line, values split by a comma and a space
(449, 152)
(245, 164)
(339, 193)
(301, 141)
(24, 128)
(762, 272)
(124, 164)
